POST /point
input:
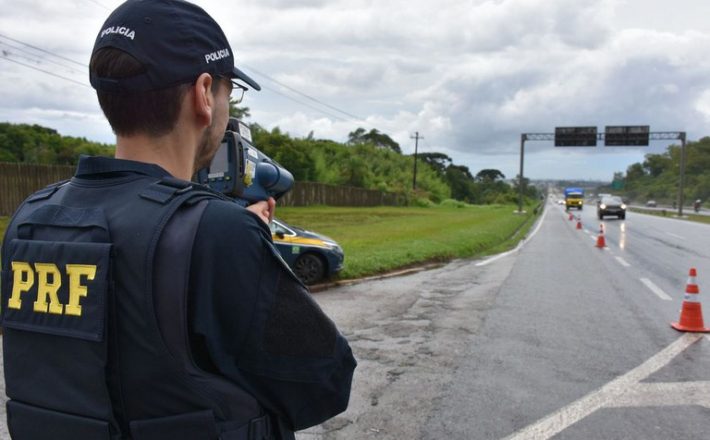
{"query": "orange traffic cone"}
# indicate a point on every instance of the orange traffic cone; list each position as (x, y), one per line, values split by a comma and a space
(571, 216)
(691, 314)
(601, 242)
(579, 222)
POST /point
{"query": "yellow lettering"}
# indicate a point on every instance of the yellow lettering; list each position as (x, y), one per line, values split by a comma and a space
(76, 289)
(45, 289)
(23, 277)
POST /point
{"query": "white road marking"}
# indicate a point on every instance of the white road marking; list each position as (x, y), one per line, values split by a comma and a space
(675, 235)
(518, 247)
(655, 289)
(622, 262)
(617, 389)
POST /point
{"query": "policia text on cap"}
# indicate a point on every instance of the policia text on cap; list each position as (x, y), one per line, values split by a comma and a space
(139, 305)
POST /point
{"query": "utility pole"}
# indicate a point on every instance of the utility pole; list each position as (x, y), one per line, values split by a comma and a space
(416, 138)
(681, 182)
(523, 138)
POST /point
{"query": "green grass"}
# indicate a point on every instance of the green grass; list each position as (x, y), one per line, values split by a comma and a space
(381, 239)
(673, 214)
(3, 225)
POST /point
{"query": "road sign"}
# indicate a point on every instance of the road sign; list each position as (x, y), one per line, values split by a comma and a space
(575, 136)
(626, 135)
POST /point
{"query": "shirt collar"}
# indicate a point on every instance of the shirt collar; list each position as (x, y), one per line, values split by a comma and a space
(89, 165)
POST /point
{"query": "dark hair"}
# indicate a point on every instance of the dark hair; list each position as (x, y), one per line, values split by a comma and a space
(154, 113)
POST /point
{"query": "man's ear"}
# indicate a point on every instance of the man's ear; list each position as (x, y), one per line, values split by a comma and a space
(203, 99)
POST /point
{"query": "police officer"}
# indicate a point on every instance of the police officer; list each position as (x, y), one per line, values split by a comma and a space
(137, 305)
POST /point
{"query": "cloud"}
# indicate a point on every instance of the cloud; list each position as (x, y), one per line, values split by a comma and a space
(469, 75)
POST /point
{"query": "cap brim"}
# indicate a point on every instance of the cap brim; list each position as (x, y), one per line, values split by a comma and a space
(244, 77)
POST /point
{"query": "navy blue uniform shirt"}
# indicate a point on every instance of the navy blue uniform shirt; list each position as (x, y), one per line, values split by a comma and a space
(250, 318)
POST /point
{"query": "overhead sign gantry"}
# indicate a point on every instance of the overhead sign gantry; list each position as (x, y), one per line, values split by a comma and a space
(613, 136)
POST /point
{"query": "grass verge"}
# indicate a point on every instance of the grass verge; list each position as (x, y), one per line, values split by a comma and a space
(381, 239)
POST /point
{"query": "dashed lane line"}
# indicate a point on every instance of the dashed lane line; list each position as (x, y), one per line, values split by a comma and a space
(655, 289)
(623, 262)
(619, 388)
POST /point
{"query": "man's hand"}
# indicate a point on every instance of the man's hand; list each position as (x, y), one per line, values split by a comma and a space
(264, 209)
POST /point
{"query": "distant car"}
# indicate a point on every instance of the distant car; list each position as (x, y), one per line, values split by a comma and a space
(561, 202)
(311, 256)
(611, 205)
(651, 204)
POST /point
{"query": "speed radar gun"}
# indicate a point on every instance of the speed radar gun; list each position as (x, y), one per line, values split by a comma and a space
(242, 172)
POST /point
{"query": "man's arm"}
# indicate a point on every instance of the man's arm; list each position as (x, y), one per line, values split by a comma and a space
(258, 324)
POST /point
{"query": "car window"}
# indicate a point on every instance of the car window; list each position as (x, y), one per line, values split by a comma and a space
(277, 227)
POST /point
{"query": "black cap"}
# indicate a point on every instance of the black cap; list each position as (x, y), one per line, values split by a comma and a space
(174, 40)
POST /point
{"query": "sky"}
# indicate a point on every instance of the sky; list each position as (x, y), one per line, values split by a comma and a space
(469, 76)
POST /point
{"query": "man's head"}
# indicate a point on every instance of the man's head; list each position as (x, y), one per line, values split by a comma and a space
(148, 55)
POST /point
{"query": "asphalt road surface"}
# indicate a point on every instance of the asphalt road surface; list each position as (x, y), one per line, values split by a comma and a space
(557, 339)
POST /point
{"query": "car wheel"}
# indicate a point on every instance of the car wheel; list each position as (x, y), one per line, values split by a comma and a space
(601, 217)
(309, 268)
(622, 216)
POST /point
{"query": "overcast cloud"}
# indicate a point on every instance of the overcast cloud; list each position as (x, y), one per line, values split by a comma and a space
(470, 76)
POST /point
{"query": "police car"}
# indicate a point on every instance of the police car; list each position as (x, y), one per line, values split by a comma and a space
(311, 256)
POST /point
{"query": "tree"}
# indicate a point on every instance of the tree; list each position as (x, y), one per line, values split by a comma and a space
(238, 112)
(489, 175)
(438, 161)
(635, 172)
(461, 182)
(374, 137)
(655, 164)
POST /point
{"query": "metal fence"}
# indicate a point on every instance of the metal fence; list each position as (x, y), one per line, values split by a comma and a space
(19, 180)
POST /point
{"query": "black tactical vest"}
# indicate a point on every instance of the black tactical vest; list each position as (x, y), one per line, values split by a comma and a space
(88, 355)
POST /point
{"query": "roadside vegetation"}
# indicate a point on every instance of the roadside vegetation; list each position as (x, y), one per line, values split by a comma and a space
(382, 239)
(656, 178)
(368, 159)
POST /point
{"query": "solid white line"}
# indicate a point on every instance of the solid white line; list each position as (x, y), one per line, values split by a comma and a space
(655, 289)
(518, 247)
(665, 394)
(622, 262)
(605, 396)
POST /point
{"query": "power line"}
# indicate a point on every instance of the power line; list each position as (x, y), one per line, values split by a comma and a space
(42, 50)
(305, 103)
(327, 113)
(45, 71)
(357, 118)
(31, 56)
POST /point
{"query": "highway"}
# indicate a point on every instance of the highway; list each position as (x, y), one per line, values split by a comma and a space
(557, 339)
